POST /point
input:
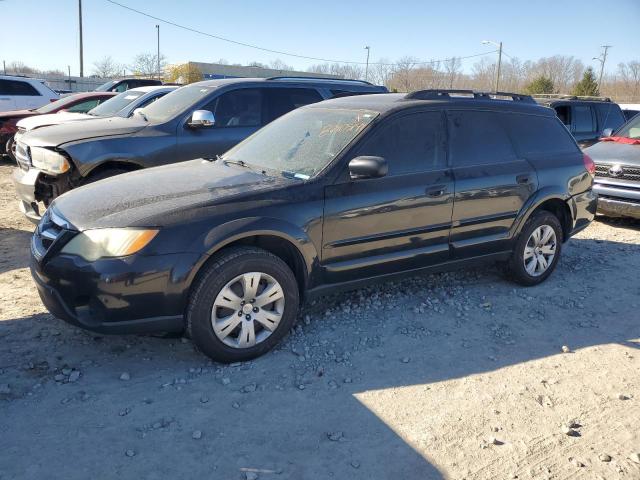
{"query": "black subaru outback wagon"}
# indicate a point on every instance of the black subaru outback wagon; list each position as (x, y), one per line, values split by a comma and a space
(327, 197)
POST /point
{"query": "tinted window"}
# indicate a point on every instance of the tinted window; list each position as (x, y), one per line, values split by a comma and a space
(238, 108)
(115, 104)
(564, 114)
(178, 101)
(582, 119)
(534, 135)
(84, 107)
(478, 138)
(13, 87)
(410, 144)
(283, 100)
(609, 116)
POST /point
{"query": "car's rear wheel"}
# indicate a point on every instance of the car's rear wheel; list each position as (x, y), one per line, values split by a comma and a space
(10, 149)
(242, 305)
(537, 249)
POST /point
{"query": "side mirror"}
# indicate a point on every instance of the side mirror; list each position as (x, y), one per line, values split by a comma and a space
(201, 119)
(607, 132)
(368, 167)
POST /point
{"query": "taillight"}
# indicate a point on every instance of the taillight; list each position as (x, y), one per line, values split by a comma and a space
(589, 165)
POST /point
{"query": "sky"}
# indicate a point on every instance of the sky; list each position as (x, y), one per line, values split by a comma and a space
(44, 33)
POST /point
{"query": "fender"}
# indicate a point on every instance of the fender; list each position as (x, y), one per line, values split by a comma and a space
(537, 199)
(222, 235)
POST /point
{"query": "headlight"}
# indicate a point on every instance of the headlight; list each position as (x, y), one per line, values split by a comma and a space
(48, 160)
(108, 242)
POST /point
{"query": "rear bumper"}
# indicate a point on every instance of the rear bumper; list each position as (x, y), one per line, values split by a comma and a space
(583, 207)
(136, 294)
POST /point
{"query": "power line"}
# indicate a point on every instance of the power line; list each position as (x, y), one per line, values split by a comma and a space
(279, 52)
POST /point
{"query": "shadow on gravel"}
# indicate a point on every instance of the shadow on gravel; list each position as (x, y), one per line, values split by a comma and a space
(622, 222)
(14, 249)
(293, 414)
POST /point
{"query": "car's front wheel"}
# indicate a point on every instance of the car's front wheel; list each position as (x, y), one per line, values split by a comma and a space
(537, 249)
(242, 305)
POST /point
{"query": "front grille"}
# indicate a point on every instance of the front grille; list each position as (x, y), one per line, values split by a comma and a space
(23, 156)
(626, 173)
(51, 230)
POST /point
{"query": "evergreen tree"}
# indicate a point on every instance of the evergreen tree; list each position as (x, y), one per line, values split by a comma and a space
(588, 85)
(540, 84)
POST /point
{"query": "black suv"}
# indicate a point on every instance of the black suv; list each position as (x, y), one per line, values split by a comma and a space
(203, 119)
(587, 118)
(328, 197)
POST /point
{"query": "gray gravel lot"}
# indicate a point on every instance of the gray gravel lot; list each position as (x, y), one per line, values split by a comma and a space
(457, 375)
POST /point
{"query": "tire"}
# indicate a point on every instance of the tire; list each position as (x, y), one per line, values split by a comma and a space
(230, 344)
(539, 222)
(9, 150)
(102, 174)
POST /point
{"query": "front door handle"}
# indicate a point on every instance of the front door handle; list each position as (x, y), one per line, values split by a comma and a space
(437, 191)
(523, 179)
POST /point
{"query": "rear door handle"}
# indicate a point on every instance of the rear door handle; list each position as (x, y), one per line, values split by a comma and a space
(437, 191)
(523, 179)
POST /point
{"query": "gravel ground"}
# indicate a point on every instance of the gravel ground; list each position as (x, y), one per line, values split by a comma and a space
(459, 376)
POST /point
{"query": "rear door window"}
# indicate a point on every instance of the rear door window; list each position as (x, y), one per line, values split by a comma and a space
(537, 135)
(609, 116)
(411, 143)
(478, 138)
(14, 87)
(583, 121)
(282, 100)
(238, 108)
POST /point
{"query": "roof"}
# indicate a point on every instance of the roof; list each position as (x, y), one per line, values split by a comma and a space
(388, 102)
(91, 94)
(22, 78)
(289, 80)
(153, 88)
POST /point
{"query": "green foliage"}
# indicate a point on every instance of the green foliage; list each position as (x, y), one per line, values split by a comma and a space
(540, 84)
(588, 85)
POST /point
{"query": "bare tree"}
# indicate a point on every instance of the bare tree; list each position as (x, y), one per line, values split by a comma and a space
(630, 78)
(106, 68)
(339, 70)
(403, 80)
(278, 64)
(453, 70)
(147, 64)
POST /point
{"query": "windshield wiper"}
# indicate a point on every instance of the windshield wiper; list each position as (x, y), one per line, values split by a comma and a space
(242, 163)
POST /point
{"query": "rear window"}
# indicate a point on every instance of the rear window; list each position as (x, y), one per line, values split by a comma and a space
(478, 138)
(536, 135)
(14, 87)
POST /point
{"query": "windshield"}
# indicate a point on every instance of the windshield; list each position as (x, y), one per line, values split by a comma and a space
(115, 104)
(105, 87)
(631, 129)
(58, 104)
(175, 102)
(303, 142)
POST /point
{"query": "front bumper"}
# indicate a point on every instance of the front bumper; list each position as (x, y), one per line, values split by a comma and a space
(25, 185)
(618, 200)
(134, 294)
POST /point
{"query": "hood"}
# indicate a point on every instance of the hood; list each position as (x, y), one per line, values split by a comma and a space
(160, 196)
(16, 114)
(51, 119)
(56, 135)
(613, 152)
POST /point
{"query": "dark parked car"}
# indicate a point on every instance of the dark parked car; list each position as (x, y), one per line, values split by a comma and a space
(585, 117)
(124, 84)
(617, 181)
(199, 120)
(328, 197)
(78, 102)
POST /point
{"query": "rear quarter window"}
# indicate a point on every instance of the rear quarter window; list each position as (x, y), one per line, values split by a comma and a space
(609, 116)
(538, 135)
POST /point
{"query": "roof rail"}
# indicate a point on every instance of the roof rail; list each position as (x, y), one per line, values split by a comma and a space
(435, 94)
(562, 96)
(293, 77)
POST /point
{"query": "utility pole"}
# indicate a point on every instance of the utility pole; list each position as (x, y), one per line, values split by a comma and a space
(366, 70)
(4, 67)
(158, 54)
(602, 62)
(80, 25)
(499, 65)
(69, 77)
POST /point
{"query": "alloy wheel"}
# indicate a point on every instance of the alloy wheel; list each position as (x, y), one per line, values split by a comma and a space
(247, 310)
(540, 250)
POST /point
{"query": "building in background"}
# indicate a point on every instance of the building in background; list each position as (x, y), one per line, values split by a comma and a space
(211, 71)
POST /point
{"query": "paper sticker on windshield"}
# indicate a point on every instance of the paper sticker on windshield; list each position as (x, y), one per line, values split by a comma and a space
(301, 176)
(130, 97)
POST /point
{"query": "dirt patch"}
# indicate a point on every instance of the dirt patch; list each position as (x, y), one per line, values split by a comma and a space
(457, 375)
